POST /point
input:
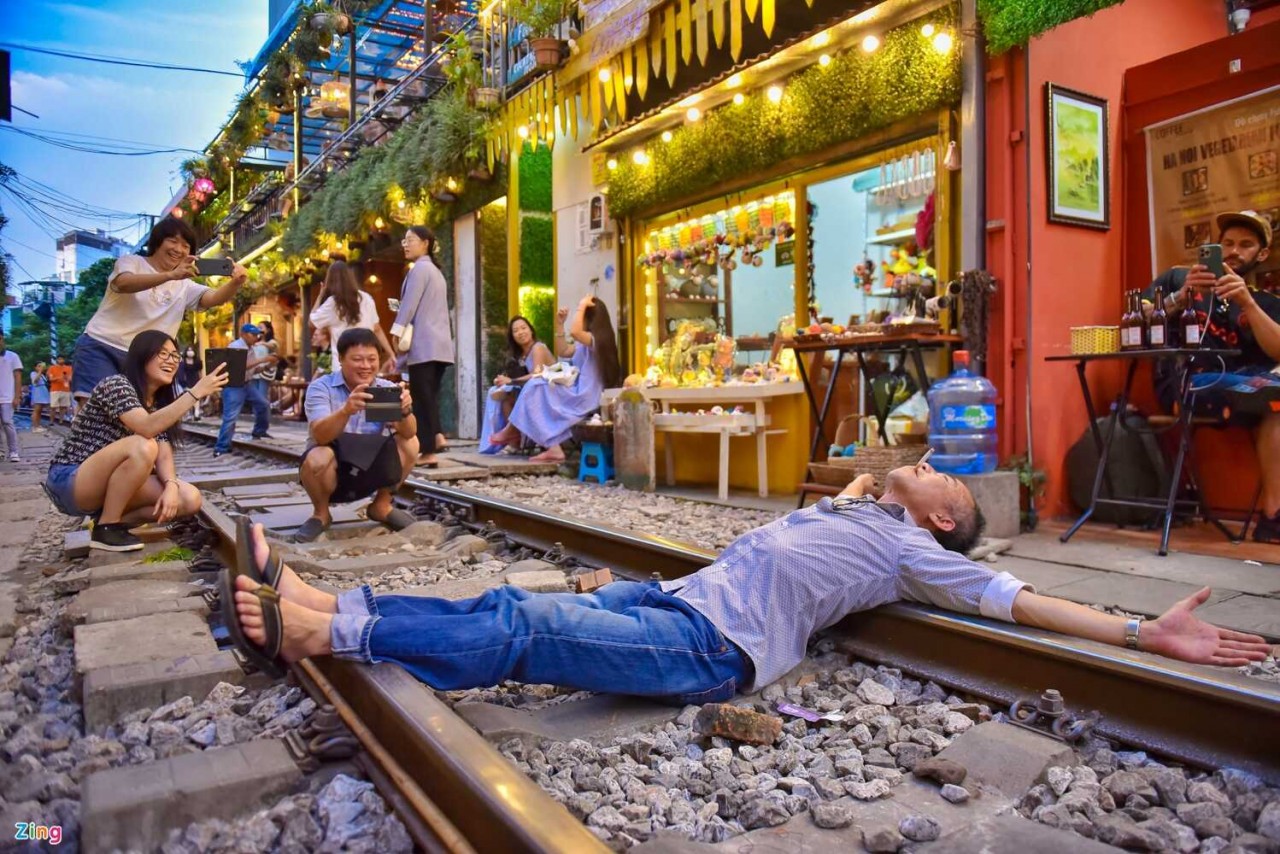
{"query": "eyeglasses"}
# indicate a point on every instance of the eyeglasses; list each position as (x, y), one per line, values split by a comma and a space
(168, 356)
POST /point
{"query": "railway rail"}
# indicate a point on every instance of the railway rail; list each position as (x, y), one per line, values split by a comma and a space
(468, 797)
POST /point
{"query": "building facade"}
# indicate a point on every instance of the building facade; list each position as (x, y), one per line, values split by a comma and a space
(79, 250)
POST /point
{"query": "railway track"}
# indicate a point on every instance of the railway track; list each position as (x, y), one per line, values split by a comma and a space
(467, 796)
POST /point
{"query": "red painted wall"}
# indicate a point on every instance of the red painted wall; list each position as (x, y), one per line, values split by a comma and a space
(1076, 275)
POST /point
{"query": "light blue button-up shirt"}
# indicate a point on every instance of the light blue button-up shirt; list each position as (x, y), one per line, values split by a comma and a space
(329, 393)
(773, 587)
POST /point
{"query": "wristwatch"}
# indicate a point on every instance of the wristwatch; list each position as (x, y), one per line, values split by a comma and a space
(1131, 629)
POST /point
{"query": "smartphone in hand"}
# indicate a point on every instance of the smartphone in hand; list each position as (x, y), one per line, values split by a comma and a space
(214, 266)
(384, 404)
(1211, 257)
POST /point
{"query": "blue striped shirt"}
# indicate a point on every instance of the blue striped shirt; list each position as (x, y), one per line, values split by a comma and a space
(773, 587)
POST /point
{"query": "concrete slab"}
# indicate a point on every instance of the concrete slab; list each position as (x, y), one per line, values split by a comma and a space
(99, 557)
(190, 604)
(75, 544)
(1245, 613)
(249, 477)
(1119, 557)
(292, 517)
(258, 490)
(133, 808)
(546, 581)
(998, 495)
(1004, 757)
(20, 510)
(1132, 593)
(246, 504)
(109, 693)
(1012, 834)
(600, 717)
(501, 464)
(1045, 576)
(447, 473)
(133, 592)
(168, 570)
(157, 637)
(376, 564)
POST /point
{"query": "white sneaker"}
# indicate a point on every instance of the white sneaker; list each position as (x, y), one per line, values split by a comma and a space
(14, 458)
(39, 430)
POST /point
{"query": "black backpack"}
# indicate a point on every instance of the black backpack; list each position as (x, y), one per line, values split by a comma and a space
(1137, 468)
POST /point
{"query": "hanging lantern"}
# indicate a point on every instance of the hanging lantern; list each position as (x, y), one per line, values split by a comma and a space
(203, 185)
(334, 98)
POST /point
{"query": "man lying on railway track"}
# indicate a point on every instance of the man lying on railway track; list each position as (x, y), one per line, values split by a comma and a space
(349, 456)
(736, 625)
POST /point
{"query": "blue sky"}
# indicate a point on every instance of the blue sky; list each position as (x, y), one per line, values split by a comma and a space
(169, 109)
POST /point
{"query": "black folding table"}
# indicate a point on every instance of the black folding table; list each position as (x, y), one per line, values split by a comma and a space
(1190, 359)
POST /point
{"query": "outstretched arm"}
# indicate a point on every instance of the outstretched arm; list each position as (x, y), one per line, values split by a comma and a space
(1177, 633)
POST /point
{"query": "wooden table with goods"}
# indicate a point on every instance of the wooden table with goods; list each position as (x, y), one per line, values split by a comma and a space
(1189, 358)
(728, 424)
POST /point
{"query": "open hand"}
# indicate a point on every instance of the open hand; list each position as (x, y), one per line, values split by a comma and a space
(211, 382)
(357, 400)
(1180, 634)
(185, 269)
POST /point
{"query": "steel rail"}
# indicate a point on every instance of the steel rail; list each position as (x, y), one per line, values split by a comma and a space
(1200, 715)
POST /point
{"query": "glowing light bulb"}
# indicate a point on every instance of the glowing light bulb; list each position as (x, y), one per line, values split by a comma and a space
(639, 157)
(871, 43)
(523, 131)
(373, 278)
(611, 164)
(400, 204)
(927, 30)
(943, 42)
(378, 223)
(824, 60)
(774, 94)
(693, 114)
(666, 136)
(739, 99)
(604, 75)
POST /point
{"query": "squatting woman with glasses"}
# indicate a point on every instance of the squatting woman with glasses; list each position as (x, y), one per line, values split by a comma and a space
(117, 463)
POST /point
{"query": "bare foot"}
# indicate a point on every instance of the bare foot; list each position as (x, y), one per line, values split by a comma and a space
(427, 459)
(292, 588)
(550, 455)
(306, 632)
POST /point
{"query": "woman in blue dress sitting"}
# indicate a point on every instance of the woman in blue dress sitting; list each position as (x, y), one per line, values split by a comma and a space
(545, 410)
(528, 357)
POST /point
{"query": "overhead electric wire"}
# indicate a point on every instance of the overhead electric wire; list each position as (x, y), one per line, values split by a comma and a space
(77, 136)
(117, 60)
(71, 146)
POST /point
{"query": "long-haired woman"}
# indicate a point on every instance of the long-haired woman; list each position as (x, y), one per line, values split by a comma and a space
(545, 411)
(39, 396)
(117, 463)
(347, 306)
(528, 357)
(424, 304)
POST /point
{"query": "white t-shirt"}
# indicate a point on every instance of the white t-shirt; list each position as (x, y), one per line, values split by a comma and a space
(9, 363)
(122, 316)
(326, 316)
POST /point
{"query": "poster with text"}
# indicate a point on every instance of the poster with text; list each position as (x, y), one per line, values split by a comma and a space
(1223, 158)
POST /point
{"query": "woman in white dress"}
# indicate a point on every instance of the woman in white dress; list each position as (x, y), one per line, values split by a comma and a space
(343, 306)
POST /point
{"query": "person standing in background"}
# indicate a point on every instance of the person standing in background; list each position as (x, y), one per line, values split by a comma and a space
(424, 306)
(10, 394)
(39, 396)
(346, 305)
(60, 410)
(255, 389)
(149, 291)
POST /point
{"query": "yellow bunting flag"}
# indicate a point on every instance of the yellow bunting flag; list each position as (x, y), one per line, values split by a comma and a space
(642, 70)
(752, 7)
(717, 21)
(702, 24)
(619, 94)
(669, 25)
(767, 16)
(657, 31)
(735, 29)
(628, 68)
(685, 26)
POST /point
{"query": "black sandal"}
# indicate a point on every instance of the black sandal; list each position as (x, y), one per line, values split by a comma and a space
(396, 520)
(309, 530)
(266, 658)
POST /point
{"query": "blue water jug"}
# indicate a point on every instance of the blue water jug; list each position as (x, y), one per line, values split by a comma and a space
(962, 421)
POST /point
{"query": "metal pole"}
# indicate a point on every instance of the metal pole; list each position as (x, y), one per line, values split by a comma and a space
(297, 147)
(351, 76)
(428, 27)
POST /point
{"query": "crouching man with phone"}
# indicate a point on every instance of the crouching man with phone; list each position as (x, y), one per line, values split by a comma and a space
(362, 437)
(1234, 315)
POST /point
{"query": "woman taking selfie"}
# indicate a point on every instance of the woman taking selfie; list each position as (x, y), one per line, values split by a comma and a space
(148, 291)
(423, 319)
(528, 356)
(545, 411)
(117, 463)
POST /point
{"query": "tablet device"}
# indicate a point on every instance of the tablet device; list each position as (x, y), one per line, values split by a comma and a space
(235, 358)
(385, 405)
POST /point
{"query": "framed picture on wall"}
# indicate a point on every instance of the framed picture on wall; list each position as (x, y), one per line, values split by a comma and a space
(1077, 157)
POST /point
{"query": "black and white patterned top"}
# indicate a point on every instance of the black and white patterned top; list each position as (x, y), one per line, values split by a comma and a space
(98, 423)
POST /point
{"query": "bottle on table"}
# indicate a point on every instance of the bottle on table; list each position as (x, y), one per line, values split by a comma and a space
(1130, 330)
(962, 421)
(1144, 326)
(1190, 323)
(1158, 325)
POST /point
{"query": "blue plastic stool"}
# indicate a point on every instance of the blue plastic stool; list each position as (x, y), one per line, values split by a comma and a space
(596, 461)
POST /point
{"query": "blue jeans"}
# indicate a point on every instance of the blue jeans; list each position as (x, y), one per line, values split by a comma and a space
(626, 638)
(233, 401)
(93, 363)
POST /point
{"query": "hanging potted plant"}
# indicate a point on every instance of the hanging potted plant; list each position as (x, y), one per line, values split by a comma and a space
(542, 18)
(324, 17)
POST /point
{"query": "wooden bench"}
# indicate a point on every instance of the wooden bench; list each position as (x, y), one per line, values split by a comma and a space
(729, 425)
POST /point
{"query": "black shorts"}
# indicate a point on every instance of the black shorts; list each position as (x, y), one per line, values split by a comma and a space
(365, 465)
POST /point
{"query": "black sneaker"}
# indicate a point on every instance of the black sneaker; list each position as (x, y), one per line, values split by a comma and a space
(263, 436)
(1267, 530)
(114, 537)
